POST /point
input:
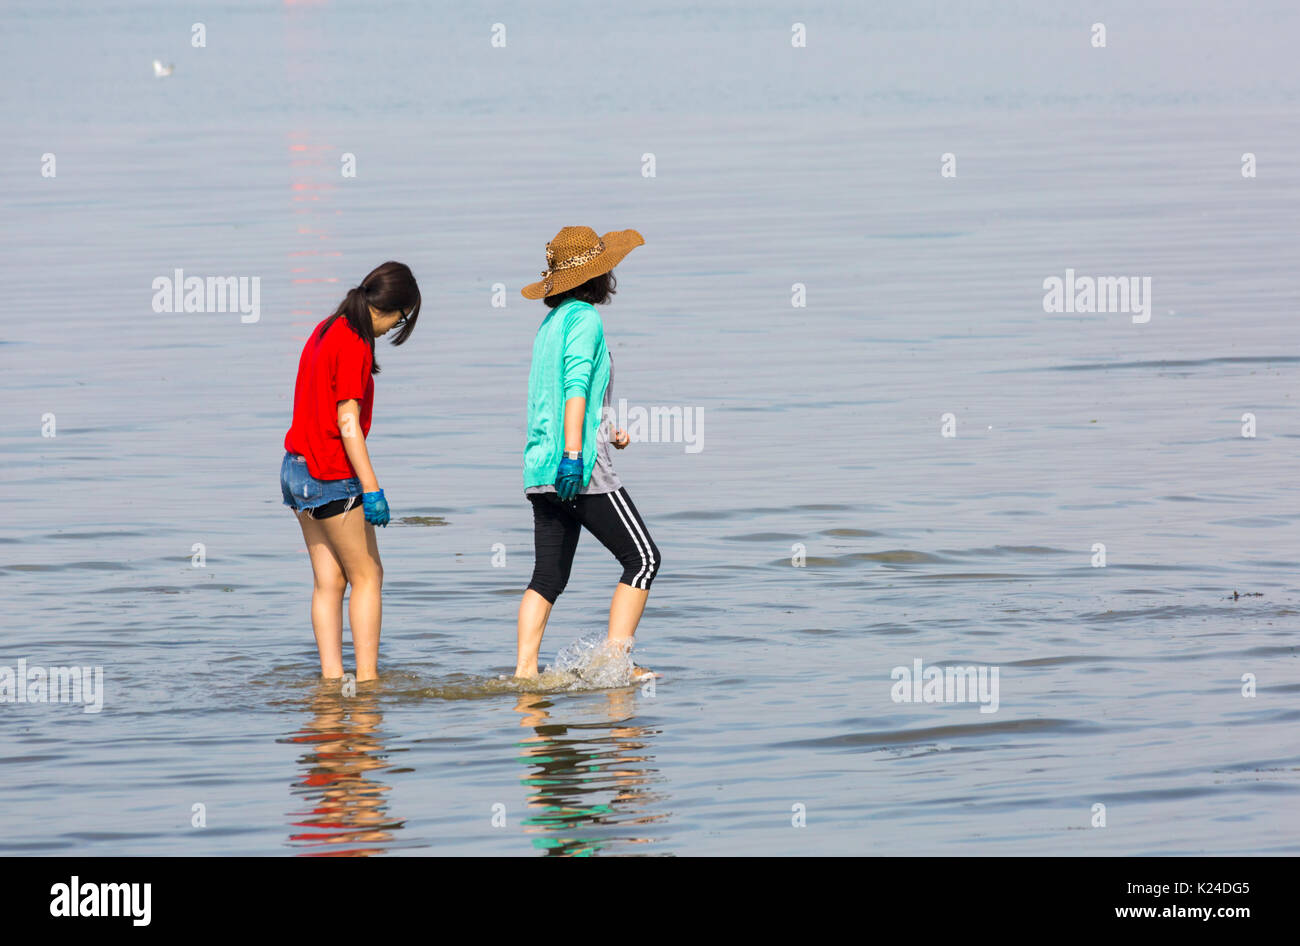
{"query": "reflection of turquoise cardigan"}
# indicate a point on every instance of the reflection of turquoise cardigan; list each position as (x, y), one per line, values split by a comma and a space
(570, 359)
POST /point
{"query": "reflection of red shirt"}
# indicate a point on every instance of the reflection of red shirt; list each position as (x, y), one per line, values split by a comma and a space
(332, 369)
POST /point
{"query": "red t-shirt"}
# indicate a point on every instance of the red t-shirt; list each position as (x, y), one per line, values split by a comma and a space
(332, 369)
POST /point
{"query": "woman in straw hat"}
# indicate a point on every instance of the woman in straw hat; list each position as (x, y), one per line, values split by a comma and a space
(569, 477)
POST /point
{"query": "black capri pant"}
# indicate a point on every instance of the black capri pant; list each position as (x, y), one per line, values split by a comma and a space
(610, 517)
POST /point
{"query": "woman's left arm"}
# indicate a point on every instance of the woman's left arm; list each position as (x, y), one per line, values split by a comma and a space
(575, 418)
(354, 444)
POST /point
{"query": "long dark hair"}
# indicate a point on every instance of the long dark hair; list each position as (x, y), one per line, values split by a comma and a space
(390, 287)
(597, 290)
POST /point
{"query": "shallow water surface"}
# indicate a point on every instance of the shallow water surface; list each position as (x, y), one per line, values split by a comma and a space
(825, 535)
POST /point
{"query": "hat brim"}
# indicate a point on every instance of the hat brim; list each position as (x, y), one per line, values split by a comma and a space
(618, 243)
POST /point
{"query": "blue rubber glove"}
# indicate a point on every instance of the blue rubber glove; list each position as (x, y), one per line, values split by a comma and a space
(568, 479)
(376, 507)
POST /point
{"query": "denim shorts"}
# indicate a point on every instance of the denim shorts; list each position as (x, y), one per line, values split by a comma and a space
(302, 491)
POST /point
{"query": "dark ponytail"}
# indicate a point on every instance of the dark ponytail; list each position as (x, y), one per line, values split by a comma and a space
(389, 287)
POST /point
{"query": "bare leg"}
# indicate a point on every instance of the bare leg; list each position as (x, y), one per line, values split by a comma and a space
(534, 612)
(625, 611)
(353, 541)
(326, 597)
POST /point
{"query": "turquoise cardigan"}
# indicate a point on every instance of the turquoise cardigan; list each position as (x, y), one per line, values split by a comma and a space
(570, 359)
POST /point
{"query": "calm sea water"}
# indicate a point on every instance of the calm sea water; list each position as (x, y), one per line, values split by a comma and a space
(822, 442)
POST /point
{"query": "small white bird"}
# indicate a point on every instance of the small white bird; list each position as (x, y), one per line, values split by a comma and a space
(160, 70)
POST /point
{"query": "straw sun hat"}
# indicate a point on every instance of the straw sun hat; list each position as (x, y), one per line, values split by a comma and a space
(576, 254)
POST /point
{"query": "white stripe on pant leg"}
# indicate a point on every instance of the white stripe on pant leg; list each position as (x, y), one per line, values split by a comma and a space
(648, 547)
(640, 550)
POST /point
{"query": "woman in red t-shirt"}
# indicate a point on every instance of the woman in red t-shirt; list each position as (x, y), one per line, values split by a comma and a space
(326, 466)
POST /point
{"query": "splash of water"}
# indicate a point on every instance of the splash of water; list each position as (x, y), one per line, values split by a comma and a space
(595, 662)
(592, 662)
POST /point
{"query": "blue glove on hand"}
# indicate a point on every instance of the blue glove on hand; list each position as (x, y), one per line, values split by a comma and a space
(376, 507)
(568, 479)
